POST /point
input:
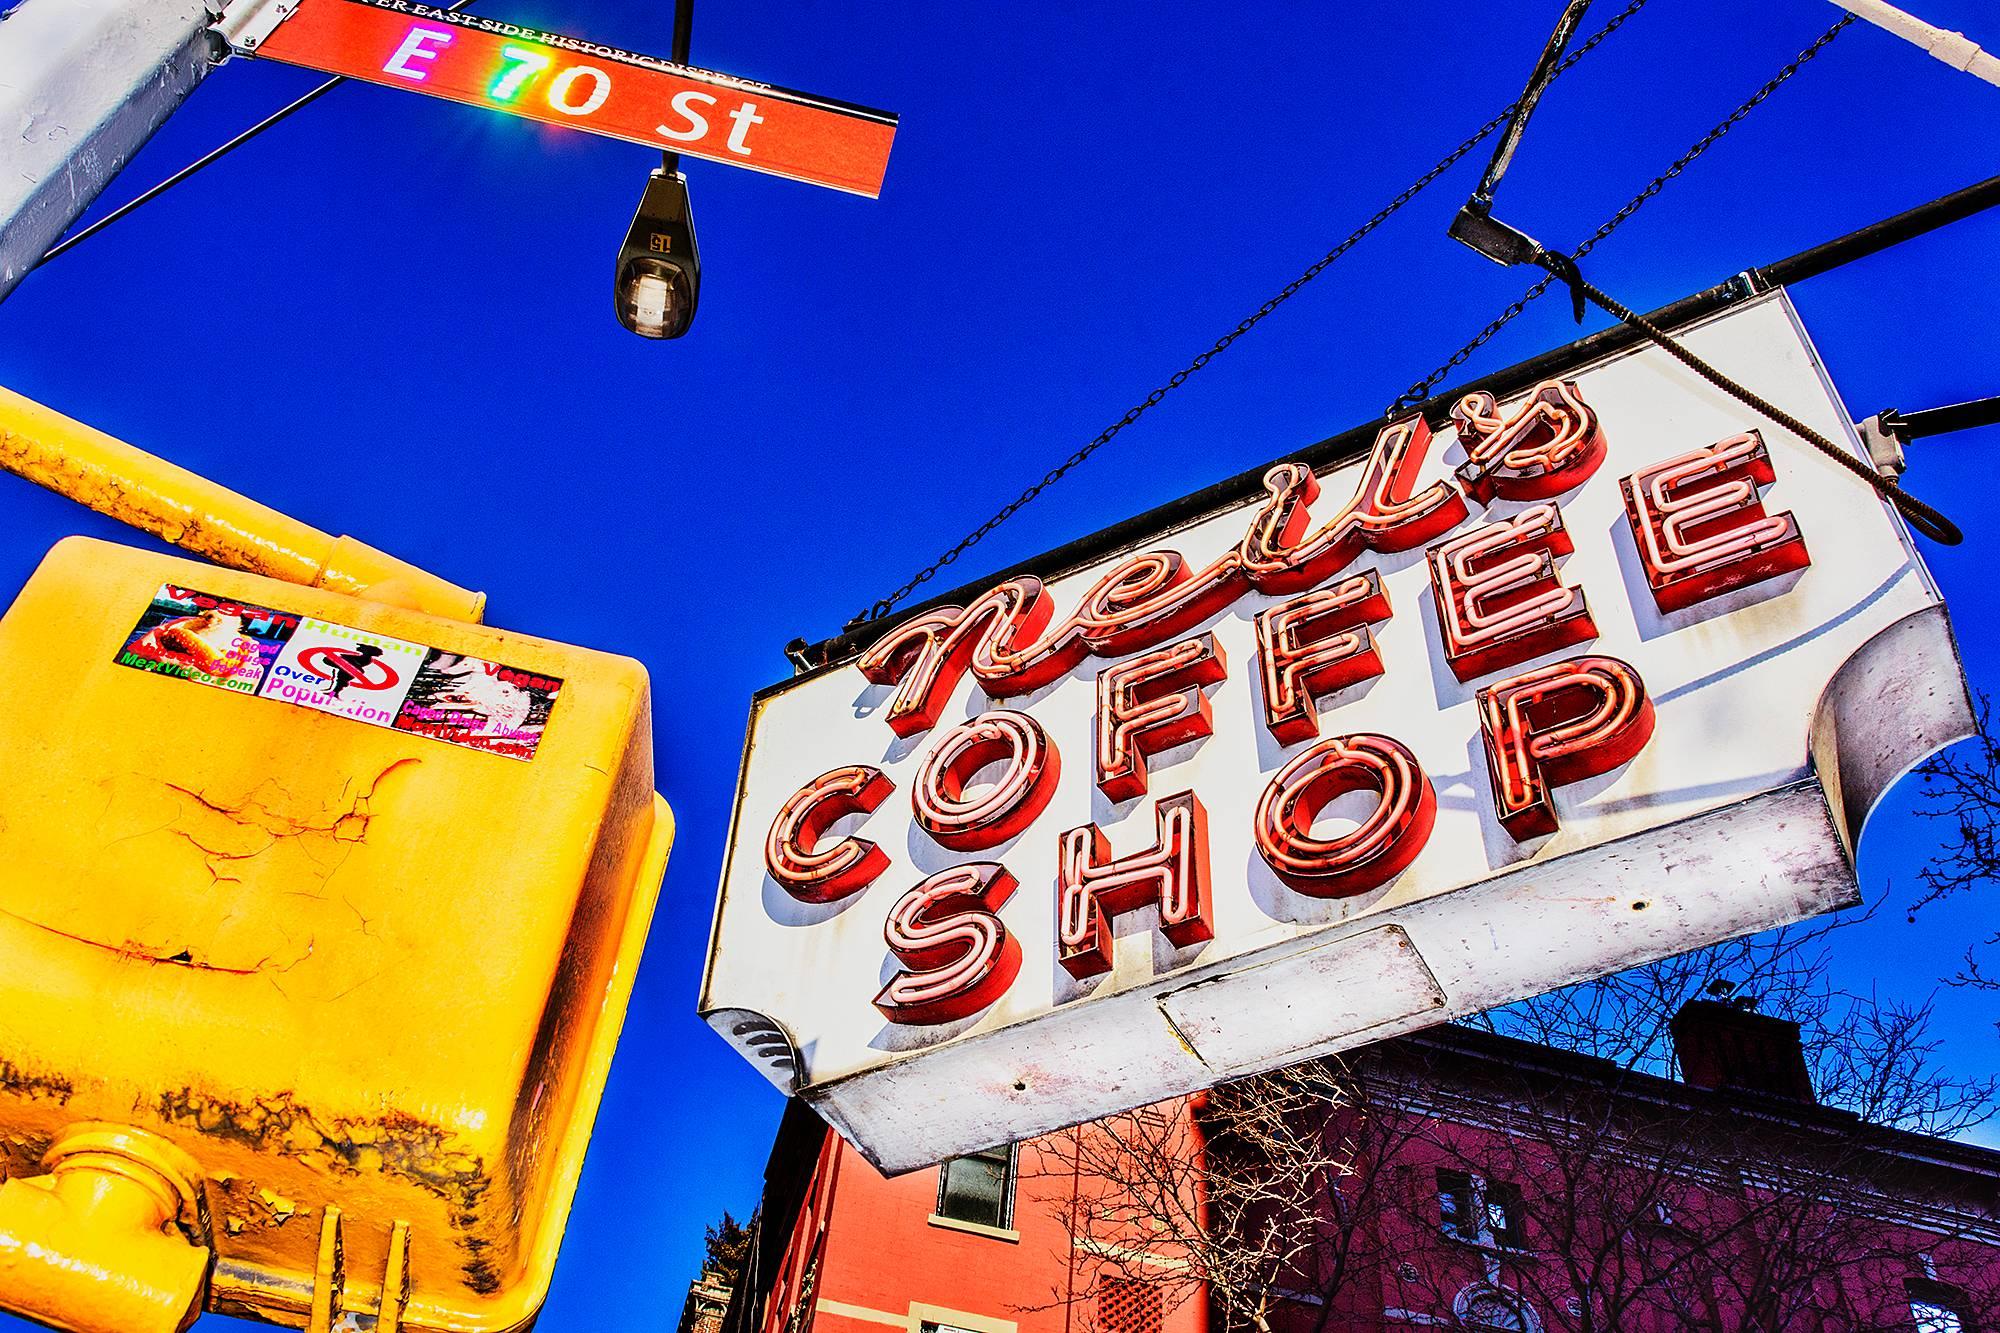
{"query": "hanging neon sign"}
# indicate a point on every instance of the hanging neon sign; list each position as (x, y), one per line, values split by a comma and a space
(1500, 602)
(1550, 687)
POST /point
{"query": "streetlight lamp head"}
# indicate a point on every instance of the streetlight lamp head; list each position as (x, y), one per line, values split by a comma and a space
(653, 298)
(658, 280)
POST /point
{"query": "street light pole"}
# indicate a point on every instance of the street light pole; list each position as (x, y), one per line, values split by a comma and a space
(83, 85)
(656, 285)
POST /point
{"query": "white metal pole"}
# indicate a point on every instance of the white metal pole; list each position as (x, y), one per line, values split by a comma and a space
(83, 84)
(1953, 48)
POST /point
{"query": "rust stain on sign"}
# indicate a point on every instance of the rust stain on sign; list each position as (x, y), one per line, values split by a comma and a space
(18, 1082)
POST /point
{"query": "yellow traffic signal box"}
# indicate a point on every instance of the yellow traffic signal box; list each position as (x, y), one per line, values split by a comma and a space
(318, 920)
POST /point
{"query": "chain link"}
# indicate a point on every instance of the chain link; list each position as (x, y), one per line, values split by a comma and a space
(1290, 289)
(1423, 388)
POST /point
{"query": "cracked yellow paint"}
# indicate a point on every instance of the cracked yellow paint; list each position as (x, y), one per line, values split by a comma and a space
(282, 1210)
(351, 972)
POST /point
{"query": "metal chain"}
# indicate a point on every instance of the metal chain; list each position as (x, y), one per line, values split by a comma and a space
(1423, 388)
(1290, 289)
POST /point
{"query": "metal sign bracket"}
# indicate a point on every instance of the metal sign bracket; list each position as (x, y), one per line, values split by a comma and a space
(246, 23)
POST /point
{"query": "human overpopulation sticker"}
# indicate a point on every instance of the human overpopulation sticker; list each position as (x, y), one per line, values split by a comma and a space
(350, 673)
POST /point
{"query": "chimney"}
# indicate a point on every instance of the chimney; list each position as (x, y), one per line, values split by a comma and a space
(1723, 1047)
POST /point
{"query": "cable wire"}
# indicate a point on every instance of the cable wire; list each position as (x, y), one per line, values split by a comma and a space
(887, 604)
(77, 238)
(1423, 388)
(1921, 516)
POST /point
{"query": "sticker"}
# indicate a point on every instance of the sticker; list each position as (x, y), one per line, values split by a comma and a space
(484, 705)
(344, 671)
(201, 637)
(372, 678)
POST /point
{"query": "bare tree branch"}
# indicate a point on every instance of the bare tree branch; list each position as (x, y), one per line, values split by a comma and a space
(1345, 1194)
(1961, 789)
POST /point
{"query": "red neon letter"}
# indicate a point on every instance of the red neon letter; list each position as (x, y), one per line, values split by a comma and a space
(1150, 703)
(1551, 444)
(1317, 643)
(999, 637)
(957, 957)
(1700, 528)
(1382, 516)
(1499, 601)
(1367, 856)
(1091, 888)
(1555, 725)
(815, 874)
(1152, 597)
(1006, 807)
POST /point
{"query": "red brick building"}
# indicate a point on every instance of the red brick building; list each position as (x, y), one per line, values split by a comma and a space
(1483, 1183)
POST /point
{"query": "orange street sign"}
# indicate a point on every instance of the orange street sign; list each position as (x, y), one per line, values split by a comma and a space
(581, 85)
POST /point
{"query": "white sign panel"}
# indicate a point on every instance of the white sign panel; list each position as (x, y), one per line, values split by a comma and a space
(1598, 674)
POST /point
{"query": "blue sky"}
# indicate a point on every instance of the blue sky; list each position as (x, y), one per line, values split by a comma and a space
(388, 290)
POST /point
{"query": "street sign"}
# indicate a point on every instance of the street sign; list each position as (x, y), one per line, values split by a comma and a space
(581, 85)
(1600, 672)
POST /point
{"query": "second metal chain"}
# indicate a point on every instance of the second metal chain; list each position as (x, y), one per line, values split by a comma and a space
(1424, 387)
(1290, 289)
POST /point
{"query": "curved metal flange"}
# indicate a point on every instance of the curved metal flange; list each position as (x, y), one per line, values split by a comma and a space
(763, 1041)
(1899, 699)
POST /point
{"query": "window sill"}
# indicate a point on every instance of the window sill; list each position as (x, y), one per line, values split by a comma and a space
(976, 1229)
(1489, 1246)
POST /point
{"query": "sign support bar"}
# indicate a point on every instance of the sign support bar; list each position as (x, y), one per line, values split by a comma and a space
(89, 81)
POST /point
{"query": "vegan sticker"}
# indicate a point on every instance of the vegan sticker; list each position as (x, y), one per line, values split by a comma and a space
(481, 704)
(451, 697)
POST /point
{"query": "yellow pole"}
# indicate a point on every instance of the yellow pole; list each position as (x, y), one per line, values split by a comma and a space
(194, 513)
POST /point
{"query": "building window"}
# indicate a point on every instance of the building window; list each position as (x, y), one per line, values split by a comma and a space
(1503, 1215)
(1932, 1318)
(1936, 1307)
(1494, 1310)
(1458, 1211)
(1485, 1212)
(979, 1188)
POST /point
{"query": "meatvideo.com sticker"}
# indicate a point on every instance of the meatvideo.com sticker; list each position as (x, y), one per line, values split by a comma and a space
(385, 682)
(201, 637)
